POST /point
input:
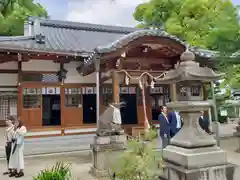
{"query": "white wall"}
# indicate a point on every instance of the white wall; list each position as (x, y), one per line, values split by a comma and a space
(8, 79)
(40, 65)
(74, 77)
(9, 65)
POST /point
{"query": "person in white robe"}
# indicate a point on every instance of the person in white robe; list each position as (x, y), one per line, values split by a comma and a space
(8, 135)
(16, 162)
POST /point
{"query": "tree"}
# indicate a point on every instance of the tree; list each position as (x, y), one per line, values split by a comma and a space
(203, 23)
(211, 24)
(13, 14)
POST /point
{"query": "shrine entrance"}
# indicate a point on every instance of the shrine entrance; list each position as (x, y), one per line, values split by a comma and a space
(51, 110)
(129, 110)
(51, 106)
(89, 105)
(139, 59)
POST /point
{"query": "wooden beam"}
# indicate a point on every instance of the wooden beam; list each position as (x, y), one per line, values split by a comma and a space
(8, 86)
(7, 58)
(8, 71)
(57, 59)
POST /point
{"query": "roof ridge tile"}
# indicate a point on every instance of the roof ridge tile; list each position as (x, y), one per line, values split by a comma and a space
(84, 26)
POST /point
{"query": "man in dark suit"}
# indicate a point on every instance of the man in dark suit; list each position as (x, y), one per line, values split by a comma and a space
(204, 123)
(175, 122)
(164, 126)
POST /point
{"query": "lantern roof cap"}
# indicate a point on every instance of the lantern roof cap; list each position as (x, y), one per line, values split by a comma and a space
(189, 70)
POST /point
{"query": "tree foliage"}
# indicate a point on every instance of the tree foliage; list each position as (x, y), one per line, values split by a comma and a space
(211, 24)
(13, 14)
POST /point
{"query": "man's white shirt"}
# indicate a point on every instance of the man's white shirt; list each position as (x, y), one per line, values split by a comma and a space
(179, 122)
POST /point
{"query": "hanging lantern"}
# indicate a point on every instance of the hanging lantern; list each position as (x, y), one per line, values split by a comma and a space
(127, 80)
(140, 84)
(123, 55)
(118, 62)
(152, 83)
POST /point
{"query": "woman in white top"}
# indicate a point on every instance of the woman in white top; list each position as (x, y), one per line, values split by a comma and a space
(8, 134)
(16, 162)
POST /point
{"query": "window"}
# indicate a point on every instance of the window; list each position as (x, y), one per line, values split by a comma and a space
(40, 77)
(196, 90)
(73, 97)
(8, 104)
(106, 95)
(160, 96)
(31, 97)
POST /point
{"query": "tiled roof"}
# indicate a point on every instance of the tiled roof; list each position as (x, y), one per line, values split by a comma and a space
(65, 36)
(124, 40)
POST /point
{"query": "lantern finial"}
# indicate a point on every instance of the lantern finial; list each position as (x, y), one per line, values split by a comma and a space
(187, 55)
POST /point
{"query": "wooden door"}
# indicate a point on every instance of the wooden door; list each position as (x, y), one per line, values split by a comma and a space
(31, 106)
(72, 112)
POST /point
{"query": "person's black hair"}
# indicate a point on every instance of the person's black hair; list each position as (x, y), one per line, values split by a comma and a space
(164, 106)
(11, 118)
(20, 123)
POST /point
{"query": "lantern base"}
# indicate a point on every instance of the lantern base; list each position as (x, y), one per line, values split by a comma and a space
(224, 172)
(189, 137)
(195, 157)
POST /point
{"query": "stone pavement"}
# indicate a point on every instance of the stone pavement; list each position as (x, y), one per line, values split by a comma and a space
(81, 162)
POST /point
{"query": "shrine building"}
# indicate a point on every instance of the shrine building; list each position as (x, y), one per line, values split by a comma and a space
(48, 75)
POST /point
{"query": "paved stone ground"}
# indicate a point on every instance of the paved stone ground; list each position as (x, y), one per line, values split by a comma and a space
(81, 162)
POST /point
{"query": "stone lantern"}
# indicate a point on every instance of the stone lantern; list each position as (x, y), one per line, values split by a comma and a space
(192, 154)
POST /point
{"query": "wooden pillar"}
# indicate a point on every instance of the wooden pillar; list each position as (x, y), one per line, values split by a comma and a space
(174, 92)
(115, 87)
(97, 68)
(62, 99)
(19, 102)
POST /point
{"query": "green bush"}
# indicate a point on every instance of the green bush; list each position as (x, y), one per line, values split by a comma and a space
(59, 171)
(222, 119)
(139, 162)
(150, 135)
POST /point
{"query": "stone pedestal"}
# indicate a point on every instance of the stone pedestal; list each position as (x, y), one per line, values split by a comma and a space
(192, 153)
(237, 134)
(104, 151)
(223, 172)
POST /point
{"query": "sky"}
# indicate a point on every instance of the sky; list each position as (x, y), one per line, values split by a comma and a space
(108, 12)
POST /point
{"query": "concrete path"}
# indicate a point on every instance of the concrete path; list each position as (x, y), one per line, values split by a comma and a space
(80, 163)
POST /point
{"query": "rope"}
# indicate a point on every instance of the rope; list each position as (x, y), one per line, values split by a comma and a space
(144, 73)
